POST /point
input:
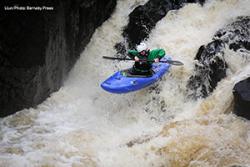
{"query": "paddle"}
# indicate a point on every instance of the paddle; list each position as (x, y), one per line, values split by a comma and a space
(173, 62)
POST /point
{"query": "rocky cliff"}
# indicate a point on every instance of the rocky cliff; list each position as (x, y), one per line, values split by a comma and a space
(210, 65)
(39, 47)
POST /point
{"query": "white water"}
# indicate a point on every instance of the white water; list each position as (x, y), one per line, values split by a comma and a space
(81, 125)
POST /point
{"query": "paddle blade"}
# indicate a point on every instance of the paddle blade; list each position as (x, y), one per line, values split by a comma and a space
(176, 63)
(173, 62)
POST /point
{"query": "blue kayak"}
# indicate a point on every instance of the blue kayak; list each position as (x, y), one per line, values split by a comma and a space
(122, 82)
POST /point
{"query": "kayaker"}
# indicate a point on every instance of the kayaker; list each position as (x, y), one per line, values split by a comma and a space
(144, 57)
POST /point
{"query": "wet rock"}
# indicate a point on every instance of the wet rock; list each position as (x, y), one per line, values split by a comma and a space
(140, 140)
(144, 18)
(14, 150)
(210, 66)
(38, 48)
(209, 70)
(241, 92)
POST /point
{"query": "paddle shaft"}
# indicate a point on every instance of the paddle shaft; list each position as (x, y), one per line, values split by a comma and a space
(167, 61)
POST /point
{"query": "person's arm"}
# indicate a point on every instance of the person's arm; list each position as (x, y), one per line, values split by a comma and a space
(161, 53)
(158, 54)
(133, 54)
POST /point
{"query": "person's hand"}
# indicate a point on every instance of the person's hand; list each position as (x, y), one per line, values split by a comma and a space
(137, 58)
(157, 60)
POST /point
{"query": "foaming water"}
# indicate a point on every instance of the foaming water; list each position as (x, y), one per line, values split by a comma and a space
(82, 125)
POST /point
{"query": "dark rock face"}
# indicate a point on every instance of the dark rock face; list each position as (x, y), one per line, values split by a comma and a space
(144, 18)
(92, 13)
(38, 48)
(209, 70)
(211, 66)
(241, 92)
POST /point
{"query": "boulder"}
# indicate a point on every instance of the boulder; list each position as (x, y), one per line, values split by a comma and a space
(241, 92)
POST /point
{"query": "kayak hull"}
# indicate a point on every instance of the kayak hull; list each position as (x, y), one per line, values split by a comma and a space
(120, 83)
